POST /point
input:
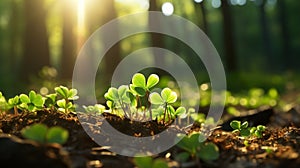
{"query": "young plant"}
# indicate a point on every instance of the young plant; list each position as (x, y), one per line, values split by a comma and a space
(149, 162)
(50, 101)
(246, 131)
(3, 104)
(135, 99)
(141, 88)
(96, 109)
(13, 103)
(242, 128)
(205, 151)
(163, 100)
(258, 131)
(42, 134)
(67, 96)
(32, 102)
(65, 93)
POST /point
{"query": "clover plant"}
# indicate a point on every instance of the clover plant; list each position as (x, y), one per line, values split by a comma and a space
(137, 102)
(13, 103)
(164, 99)
(97, 109)
(247, 132)
(43, 134)
(66, 96)
(32, 102)
(205, 151)
(3, 103)
(149, 162)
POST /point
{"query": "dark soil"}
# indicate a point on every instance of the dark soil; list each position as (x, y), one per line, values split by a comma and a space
(80, 151)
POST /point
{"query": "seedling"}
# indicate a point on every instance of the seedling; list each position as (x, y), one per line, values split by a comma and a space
(242, 128)
(135, 99)
(67, 96)
(42, 134)
(13, 103)
(149, 162)
(258, 131)
(96, 109)
(32, 102)
(164, 99)
(3, 103)
(206, 151)
(246, 131)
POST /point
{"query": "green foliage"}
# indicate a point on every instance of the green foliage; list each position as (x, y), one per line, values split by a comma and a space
(96, 109)
(204, 150)
(65, 93)
(64, 97)
(64, 106)
(42, 134)
(136, 100)
(32, 102)
(3, 103)
(148, 162)
(246, 131)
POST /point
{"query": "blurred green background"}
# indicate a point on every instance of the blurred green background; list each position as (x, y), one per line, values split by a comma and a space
(258, 40)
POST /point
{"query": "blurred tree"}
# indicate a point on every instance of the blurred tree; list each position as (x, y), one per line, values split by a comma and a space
(228, 31)
(265, 34)
(113, 56)
(68, 41)
(285, 37)
(201, 15)
(156, 38)
(36, 48)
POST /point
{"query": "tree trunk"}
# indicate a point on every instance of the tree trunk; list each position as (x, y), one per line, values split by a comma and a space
(156, 39)
(113, 56)
(230, 55)
(286, 51)
(36, 48)
(265, 35)
(201, 13)
(69, 41)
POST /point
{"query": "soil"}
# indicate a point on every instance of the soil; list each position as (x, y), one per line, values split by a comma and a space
(282, 137)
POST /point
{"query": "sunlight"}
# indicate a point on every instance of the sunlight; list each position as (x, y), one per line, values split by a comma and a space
(80, 22)
(198, 1)
(167, 8)
(216, 3)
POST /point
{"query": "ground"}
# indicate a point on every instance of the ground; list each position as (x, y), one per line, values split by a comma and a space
(281, 137)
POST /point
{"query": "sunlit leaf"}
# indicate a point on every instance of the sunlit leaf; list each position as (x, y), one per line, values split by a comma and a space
(155, 98)
(168, 95)
(24, 98)
(153, 79)
(139, 80)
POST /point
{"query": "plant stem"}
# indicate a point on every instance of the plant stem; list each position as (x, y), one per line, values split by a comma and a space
(16, 110)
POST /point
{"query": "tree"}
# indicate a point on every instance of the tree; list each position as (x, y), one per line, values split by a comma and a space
(265, 32)
(283, 22)
(36, 48)
(201, 13)
(113, 56)
(228, 31)
(157, 39)
(69, 41)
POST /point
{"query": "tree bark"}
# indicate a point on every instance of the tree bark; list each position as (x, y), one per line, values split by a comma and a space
(265, 34)
(201, 13)
(156, 39)
(286, 50)
(113, 56)
(69, 41)
(36, 48)
(228, 30)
